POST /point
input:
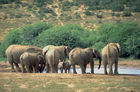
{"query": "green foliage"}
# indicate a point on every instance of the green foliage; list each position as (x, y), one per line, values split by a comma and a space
(13, 37)
(41, 3)
(114, 5)
(9, 1)
(126, 13)
(88, 13)
(126, 34)
(23, 35)
(61, 35)
(66, 5)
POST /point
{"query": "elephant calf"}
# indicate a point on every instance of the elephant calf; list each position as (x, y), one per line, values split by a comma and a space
(65, 66)
(34, 62)
(110, 55)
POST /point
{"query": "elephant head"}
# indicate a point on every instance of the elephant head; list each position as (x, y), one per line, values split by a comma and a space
(67, 49)
(96, 54)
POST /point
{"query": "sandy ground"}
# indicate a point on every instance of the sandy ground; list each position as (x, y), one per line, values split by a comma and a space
(40, 82)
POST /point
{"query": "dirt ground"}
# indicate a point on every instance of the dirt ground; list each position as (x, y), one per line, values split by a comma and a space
(42, 82)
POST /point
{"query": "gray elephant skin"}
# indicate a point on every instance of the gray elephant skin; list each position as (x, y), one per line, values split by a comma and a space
(34, 62)
(54, 55)
(65, 66)
(82, 57)
(110, 54)
(13, 53)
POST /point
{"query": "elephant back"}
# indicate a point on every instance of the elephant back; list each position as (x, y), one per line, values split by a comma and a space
(14, 51)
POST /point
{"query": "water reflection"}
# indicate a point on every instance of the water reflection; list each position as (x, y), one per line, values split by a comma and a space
(121, 70)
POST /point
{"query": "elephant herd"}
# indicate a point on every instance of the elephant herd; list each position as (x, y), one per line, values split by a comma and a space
(35, 59)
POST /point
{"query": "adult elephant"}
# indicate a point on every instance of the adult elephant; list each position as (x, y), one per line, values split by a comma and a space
(13, 53)
(110, 55)
(54, 55)
(82, 57)
(46, 48)
(34, 62)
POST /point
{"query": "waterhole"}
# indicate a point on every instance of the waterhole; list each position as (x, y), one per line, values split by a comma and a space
(121, 70)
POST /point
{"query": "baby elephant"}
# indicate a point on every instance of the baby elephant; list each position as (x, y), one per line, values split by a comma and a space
(34, 62)
(65, 66)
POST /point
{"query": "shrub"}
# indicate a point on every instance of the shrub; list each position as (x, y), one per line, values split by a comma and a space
(116, 6)
(23, 35)
(9, 1)
(13, 37)
(126, 34)
(66, 5)
(61, 35)
(126, 13)
(87, 12)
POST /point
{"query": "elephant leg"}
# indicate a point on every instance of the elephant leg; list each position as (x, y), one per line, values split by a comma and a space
(68, 70)
(17, 67)
(23, 68)
(85, 66)
(47, 68)
(28, 69)
(61, 68)
(110, 69)
(82, 69)
(65, 70)
(74, 70)
(35, 69)
(92, 66)
(105, 68)
(12, 66)
(116, 68)
(56, 69)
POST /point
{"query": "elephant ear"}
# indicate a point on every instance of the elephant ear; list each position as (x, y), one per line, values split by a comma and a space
(118, 47)
(66, 50)
(95, 53)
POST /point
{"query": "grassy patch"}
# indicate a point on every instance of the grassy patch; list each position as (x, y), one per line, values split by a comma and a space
(18, 82)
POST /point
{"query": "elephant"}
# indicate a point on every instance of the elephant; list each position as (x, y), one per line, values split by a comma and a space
(33, 61)
(65, 66)
(82, 57)
(54, 55)
(110, 54)
(46, 48)
(13, 53)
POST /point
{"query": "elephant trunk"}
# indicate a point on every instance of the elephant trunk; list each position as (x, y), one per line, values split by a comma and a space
(99, 62)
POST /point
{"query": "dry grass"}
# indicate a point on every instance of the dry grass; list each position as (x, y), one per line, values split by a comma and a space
(42, 82)
(19, 82)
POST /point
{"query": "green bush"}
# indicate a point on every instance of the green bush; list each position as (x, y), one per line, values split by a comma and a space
(9, 1)
(61, 35)
(13, 37)
(66, 5)
(87, 12)
(126, 34)
(41, 3)
(126, 13)
(24, 35)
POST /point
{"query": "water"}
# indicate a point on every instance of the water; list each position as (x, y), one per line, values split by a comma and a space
(121, 70)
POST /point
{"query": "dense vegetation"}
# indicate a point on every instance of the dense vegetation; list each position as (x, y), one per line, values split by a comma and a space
(115, 5)
(42, 34)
